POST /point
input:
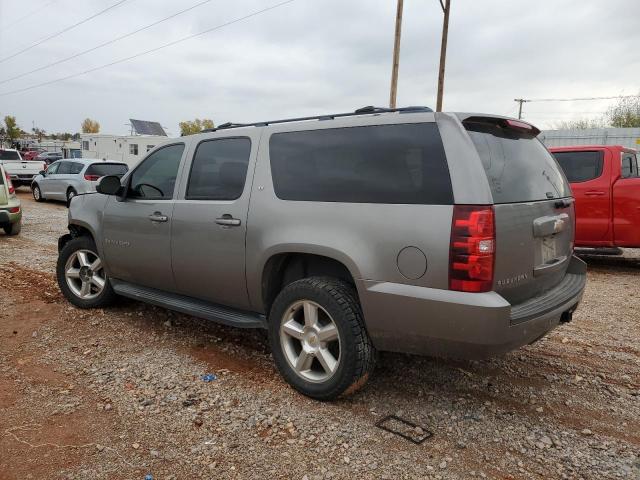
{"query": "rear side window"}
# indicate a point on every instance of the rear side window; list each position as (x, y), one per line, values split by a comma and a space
(76, 168)
(402, 163)
(580, 166)
(104, 169)
(9, 155)
(219, 169)
(64, 168)
(519, 168)
(629, 165)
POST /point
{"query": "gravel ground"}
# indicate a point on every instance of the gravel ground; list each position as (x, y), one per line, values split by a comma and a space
(118, 393)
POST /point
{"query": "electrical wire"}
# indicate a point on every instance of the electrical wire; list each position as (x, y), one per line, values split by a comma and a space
(152, 50)
(114, 40)
(580, 99)
(11, 24)
(71, 27)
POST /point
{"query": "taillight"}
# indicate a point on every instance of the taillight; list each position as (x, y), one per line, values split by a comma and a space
(472, 249)
(9, 184)
(92, 178)
(14, 210)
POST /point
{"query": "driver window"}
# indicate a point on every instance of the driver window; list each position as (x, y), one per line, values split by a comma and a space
(53, 168)
(155, 178)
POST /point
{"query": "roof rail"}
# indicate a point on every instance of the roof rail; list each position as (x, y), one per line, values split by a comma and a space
(360, 111)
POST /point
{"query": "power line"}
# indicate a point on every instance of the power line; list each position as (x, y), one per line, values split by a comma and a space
(71, 27)
(12, 23)
(146, 52)
(580, 99)
(114, 40)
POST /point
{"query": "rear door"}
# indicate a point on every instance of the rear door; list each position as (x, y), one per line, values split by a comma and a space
(534, 211)
(626, 202)
(210, 221)
(589, 173)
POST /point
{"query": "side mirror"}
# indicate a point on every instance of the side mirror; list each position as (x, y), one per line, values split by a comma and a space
(109, 185)
(43, 172)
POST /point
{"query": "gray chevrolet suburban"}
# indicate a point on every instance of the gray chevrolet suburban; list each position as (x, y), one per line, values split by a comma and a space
(444, 234)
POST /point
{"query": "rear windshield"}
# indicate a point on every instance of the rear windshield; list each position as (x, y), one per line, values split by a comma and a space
(518, 166)
(580, 166)
(103, 169)
(9, 155)
(402, 163)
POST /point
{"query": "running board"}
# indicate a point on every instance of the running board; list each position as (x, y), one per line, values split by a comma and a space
(190, 306)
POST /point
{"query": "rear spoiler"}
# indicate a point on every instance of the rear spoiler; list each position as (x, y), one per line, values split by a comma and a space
(502, 122)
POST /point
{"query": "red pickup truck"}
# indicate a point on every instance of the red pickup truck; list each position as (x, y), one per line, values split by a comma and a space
(606, 186)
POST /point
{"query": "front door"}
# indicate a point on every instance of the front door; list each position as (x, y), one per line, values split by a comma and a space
(137, 230)
(626, 203)
(48, 182)
(210, 222)
(589, 173)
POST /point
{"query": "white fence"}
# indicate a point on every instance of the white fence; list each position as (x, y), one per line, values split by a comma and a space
(627, 137)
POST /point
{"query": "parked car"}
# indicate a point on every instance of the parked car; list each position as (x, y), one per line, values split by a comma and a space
(30, 154)
(10, 211)
(20, 171)
(403, 230)
(65, 179)
(49, 157)
(606, 186)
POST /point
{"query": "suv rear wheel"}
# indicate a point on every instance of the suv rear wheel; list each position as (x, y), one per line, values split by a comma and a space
(13, 229)
(70, 194)
(318, 338)
(81, 274)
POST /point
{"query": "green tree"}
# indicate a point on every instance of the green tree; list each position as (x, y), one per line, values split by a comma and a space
(580, 124)
(12, 129)
(90, 126)
(190, 127)
(625, 113)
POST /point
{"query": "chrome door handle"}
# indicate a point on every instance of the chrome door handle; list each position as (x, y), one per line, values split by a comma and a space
(158, 217)
(228, 221)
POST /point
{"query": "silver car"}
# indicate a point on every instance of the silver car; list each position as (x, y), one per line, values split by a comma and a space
(67, 178)
(445, 234)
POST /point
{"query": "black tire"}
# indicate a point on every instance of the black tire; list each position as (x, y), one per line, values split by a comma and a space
(105, 298)
(357, 353)
(70, 194)
(37, 196)
(13, 229)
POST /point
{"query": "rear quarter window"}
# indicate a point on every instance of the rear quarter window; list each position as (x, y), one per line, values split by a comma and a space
(581, 166)
(396, 164)
(519, 167)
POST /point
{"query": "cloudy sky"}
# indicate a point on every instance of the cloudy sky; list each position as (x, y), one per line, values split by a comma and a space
(309, 57)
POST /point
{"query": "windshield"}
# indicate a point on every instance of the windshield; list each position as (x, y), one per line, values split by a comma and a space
(518, 166)
(9, 155)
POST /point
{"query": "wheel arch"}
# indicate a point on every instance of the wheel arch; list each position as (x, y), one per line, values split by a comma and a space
(284, 267)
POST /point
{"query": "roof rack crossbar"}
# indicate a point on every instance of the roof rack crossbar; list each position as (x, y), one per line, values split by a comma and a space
(360, 111)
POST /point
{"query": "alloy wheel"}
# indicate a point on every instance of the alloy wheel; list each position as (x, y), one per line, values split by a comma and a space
(85, 274)
(310, 341)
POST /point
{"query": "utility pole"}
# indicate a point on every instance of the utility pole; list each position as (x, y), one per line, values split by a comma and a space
(446, 8)
(396, 56)
(520, 101)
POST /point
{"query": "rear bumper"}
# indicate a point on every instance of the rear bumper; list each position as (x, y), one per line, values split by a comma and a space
(7, 218)
(442, 323)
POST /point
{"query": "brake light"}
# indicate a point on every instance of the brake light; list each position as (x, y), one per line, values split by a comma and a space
(9, 184)
(472, 248)
(14, 210)
(92, 178)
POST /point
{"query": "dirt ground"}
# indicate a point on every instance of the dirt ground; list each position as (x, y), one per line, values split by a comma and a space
(118, 393)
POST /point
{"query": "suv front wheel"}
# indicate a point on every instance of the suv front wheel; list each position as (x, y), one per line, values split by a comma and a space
(318, 339)
(81, 274)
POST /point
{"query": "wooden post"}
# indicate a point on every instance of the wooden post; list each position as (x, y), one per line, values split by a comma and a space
(443, 53)
(396, 57)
